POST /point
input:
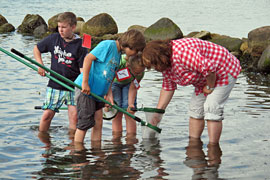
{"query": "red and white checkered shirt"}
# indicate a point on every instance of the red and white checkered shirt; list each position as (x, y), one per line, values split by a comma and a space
(192, 59)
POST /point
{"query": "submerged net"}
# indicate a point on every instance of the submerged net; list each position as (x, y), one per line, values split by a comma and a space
(109, 113)
(154, 117)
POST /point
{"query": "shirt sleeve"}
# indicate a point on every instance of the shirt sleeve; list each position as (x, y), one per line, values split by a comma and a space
(192, 60)
(45, 44)
(167, 84)
(83, 52)
(101, 51)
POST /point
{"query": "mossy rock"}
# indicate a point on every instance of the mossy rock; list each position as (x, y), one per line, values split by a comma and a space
(52, 23)
(163, 29)
(230, 43)
(204, 35)
(7, 27)
(191, 34)
(40, 31)
(79, 27)
(244, 45)
(258, 40)
(137, 27)
(100, 25)
(80, 19)
(30, 23)
(95, 40)
(3, 20)
(264, 61)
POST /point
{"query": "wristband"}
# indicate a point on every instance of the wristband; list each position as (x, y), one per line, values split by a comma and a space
(208, 88)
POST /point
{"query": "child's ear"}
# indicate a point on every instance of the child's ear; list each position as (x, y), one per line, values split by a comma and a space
(73, 27)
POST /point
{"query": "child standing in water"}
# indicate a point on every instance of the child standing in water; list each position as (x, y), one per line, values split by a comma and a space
(98, 73)
(125, 93)
(67, 55)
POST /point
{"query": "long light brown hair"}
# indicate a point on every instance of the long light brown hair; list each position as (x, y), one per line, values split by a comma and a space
(157, 55)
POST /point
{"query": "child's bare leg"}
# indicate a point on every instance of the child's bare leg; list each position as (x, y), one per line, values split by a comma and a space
(78, 146)
(79, 136)
(97, 129)
(117, 123)
(72, 115)
(131, 126)
(196, 127)
(46, 119)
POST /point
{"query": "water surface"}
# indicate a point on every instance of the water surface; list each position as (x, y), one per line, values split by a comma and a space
(244, 147)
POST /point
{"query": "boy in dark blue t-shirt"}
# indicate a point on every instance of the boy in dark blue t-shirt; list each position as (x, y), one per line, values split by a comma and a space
(67, 55)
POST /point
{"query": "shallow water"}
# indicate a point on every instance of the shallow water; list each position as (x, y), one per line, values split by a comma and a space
(26, 154)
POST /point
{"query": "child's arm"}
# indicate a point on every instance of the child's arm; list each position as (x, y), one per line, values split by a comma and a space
(86, 70)
(132, 92)
(109, 95)
(37, 55)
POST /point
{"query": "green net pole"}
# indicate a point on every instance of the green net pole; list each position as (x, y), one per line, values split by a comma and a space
(36, 69)
(92, 94)
(40, 107)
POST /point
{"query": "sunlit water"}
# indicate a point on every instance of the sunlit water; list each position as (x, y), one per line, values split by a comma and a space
(245, 140)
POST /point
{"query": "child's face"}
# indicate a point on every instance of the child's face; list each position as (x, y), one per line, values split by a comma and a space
(65, 30)
(137, 71)
(129, 52)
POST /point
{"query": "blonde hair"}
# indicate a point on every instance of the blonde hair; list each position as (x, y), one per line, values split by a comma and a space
(68, 17)
(157, 55)
(133, 39)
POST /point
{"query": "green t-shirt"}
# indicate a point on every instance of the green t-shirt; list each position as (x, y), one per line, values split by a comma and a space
(122, 65)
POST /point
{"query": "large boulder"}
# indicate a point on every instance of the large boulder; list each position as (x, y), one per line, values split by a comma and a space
(79, 27)
(204, 35)
(30, 23)
(3, 20)
(137, 27)
(264, 61)
(163, 29)
(40, 31)
(230, 43)
(7, 27)
(258, 40)
(96, 40)
(52, 23)
(100, 25)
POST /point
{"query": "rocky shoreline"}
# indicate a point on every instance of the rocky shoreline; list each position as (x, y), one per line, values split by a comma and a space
(253, 51)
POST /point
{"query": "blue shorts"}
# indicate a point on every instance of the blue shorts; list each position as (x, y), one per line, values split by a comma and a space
(120, 95)
(56, 98)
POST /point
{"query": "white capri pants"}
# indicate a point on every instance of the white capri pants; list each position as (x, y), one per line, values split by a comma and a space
(211, 107)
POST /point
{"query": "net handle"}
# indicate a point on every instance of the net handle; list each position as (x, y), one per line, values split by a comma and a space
(76, 85)
(148, 109)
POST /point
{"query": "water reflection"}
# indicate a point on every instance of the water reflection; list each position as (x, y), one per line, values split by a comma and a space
(149, 160)
(109, 161)
(203, 166)
(113, 161)
(21, 155)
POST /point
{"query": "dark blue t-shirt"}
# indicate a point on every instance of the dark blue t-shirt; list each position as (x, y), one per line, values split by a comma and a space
(66, 57)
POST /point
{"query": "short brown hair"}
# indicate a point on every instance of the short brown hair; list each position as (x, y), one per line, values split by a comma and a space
(132, 39)
(68, 17)
(136, 61)
(157, 55)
